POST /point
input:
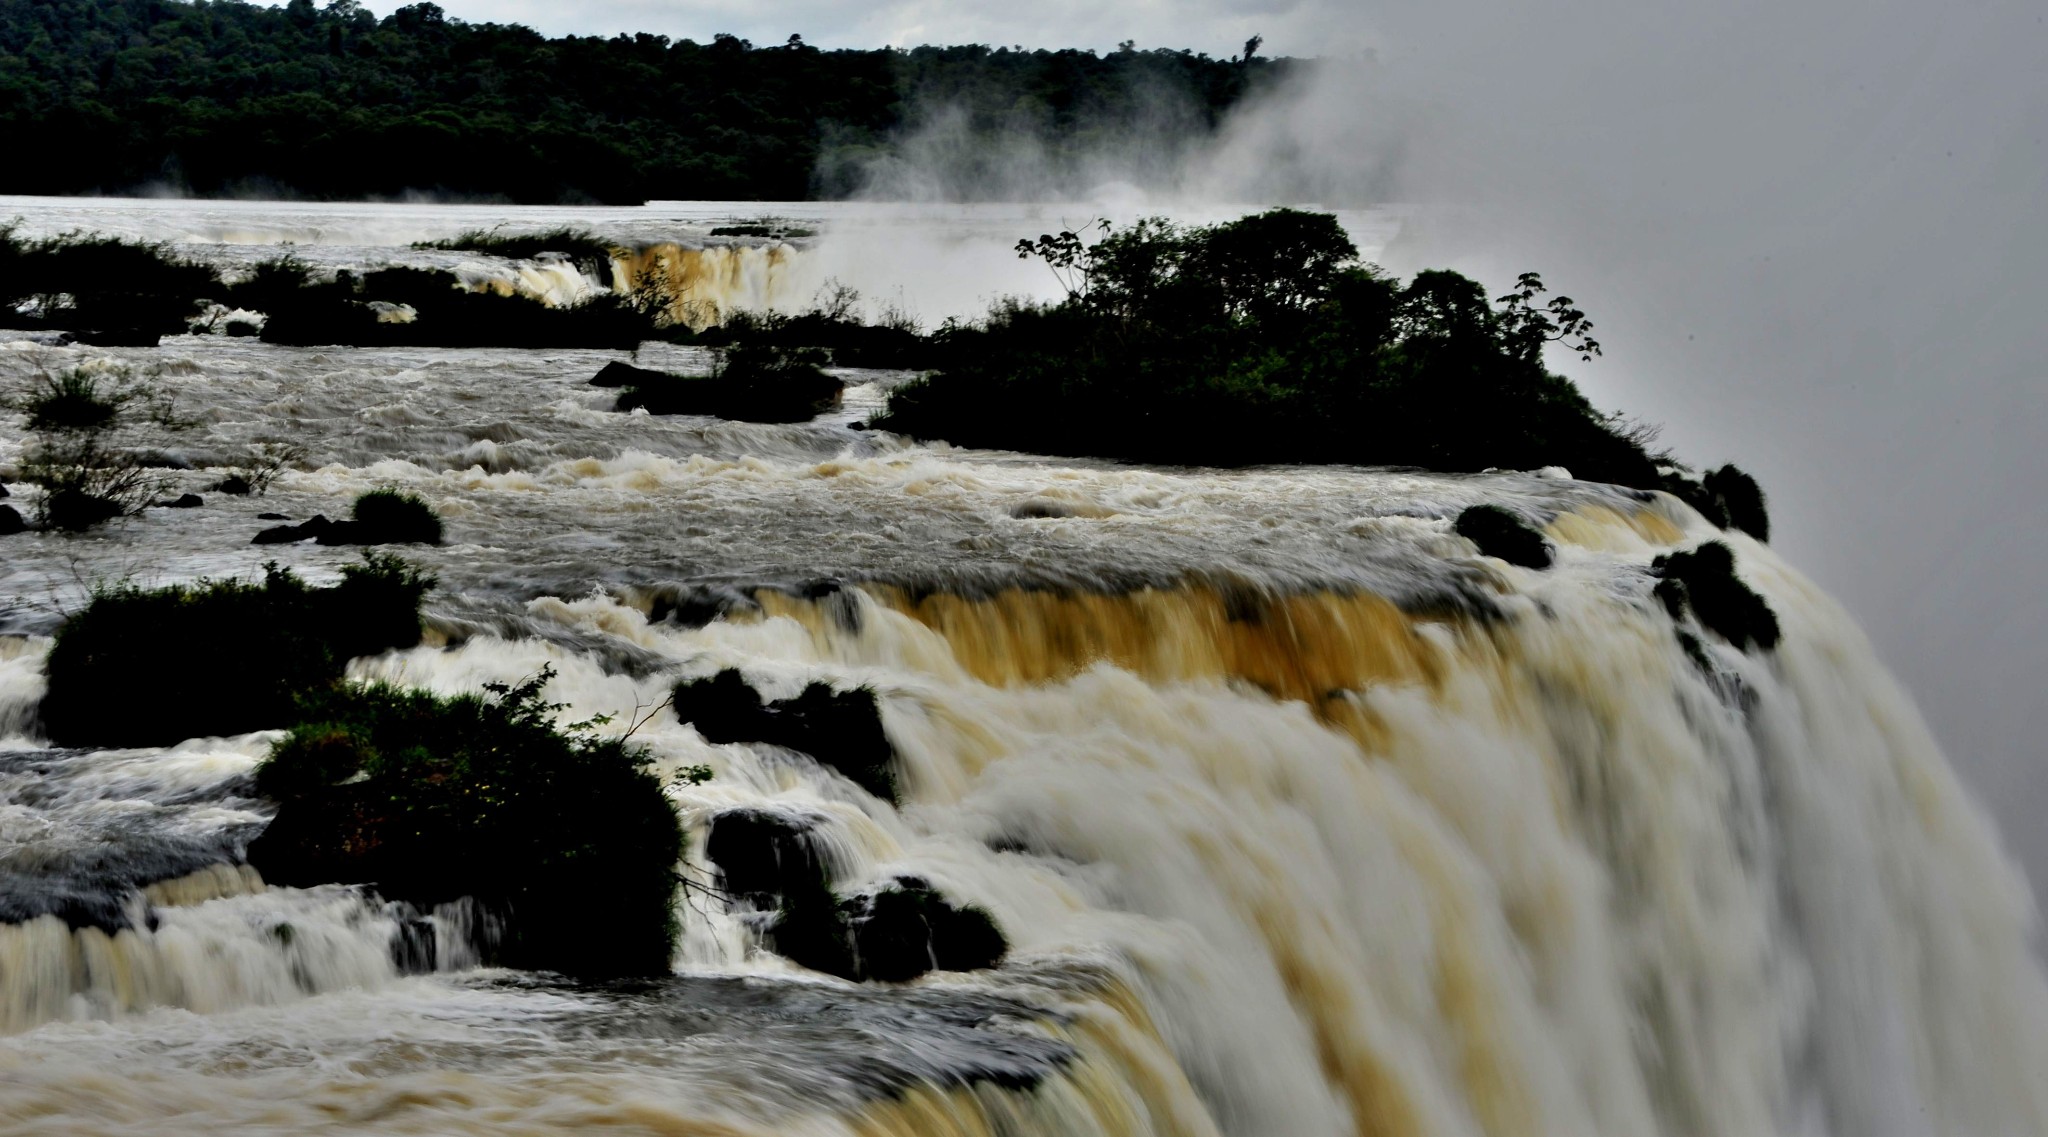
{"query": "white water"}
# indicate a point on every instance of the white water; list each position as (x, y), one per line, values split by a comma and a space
(1283, 843)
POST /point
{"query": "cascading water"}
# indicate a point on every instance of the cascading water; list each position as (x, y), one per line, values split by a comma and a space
(1300, 816)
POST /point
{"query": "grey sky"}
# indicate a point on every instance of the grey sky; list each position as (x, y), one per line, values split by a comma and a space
(1811, 234)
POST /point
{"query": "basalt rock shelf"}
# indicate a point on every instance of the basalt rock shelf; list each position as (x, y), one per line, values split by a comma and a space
(1297, 811)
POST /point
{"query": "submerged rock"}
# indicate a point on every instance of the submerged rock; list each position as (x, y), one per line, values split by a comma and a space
(761, 855)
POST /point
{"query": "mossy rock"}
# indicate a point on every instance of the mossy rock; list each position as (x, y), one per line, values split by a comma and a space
(1501, 533)
(841, 729)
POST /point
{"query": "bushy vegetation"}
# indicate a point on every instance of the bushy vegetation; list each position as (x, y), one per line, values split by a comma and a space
(832, 325)
(393, 517)
(1702, 581)
(841, 729)
(88, 282)
(1266, 340)
(1502, 533)
(88, 455)
(413, 307)
(330, 101)
(428, 799)
(148, 667)
(752, 383)
(579, 245)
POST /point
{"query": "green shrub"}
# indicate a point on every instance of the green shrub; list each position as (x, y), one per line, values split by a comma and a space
(1265, 340)
(147, 667)
(841, 729)
(1703, 582)
(1501, 533)
(566, 835)
(392, 517)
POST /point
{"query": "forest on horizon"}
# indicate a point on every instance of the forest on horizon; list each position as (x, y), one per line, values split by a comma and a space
(228, 98)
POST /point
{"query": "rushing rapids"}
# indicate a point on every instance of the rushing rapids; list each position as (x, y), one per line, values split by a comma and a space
(1300, 816)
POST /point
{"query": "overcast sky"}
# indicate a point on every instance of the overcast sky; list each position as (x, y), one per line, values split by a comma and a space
(1812, 235)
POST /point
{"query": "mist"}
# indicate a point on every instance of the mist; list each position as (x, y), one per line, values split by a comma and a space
(1811, 238)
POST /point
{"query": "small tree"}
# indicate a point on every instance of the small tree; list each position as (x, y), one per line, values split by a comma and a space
(89, 425)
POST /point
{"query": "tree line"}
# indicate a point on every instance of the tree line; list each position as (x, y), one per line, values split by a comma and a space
(223, 97)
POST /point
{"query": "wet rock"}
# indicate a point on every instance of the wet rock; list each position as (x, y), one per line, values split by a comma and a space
(286, 534)
(243, 328)
(892, 935)
(233, 484)
(761, 855)
(841, 729)
(10, 521)
(616, 374)
(1503, 534)
(273, 517)
(1703, 582)
(186, 501)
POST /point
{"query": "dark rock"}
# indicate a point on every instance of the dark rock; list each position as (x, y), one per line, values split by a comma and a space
(286, 534)
(233, 484)
(188, 501)
(242, 328)
(1703, 582)
(761, 855)
(893, 935)
(1501, 533)
(616, 374)
(119, 337)
(10, 521)
(273, 517)
(74, 512)
(841, 729)
(3, 492)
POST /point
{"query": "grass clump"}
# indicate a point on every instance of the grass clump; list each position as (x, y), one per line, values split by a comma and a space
(1266, 340)
(390, 516)
(92, 430)
(567, 834)
(841, 729)
(1703, 582)
(1502, 533)
(219, 657)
